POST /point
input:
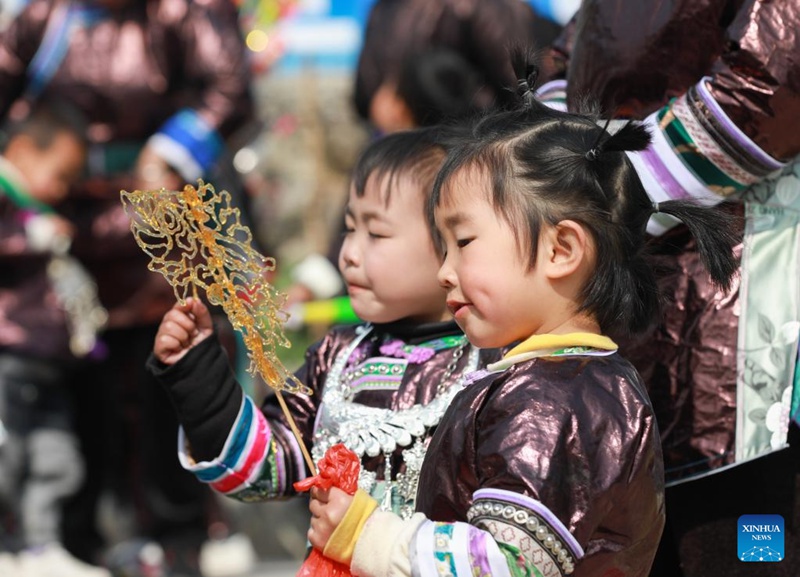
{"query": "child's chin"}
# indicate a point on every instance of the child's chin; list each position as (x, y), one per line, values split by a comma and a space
(481, 340)
(368, 315)
(474, 338)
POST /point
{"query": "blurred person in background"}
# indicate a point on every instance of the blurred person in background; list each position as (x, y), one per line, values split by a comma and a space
(423, 62)
(165, 85)
(718, 82)
(49, 316)
(398, 31)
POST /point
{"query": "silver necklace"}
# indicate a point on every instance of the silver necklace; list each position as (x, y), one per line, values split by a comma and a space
(370, 431)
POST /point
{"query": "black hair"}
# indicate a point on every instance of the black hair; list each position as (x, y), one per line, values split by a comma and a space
(478, 30)
(547, 166)
(417, 153)
(438, 84)
(46, 119)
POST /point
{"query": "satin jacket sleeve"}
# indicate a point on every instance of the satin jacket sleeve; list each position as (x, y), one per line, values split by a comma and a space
(717, 82)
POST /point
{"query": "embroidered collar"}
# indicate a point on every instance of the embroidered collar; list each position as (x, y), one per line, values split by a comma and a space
(549, 345)
(550, 342)
(423, 352)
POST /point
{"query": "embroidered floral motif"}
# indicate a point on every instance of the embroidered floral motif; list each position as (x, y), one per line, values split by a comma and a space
(414, 354)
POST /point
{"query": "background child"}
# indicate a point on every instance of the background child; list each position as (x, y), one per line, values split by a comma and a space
(48, 317)
(379, 387)
(432, 86)
(549, 463)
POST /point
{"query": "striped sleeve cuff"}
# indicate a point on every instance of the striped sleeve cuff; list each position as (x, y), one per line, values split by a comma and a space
(697, 153)
(343, 539)
(248, 450)
(188, 143)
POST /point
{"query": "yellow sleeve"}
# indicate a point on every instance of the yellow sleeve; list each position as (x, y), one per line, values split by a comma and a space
(343, 540)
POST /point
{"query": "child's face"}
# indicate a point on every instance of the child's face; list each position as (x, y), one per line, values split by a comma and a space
(50, 171)
(493, 295)
(388, 259)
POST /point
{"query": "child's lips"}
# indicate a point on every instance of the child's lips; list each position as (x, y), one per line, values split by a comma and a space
(353, 288)
(456, 308)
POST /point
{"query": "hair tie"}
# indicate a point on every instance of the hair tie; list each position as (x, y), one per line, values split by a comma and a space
(656, 208)
(592, 154)
(525, 92)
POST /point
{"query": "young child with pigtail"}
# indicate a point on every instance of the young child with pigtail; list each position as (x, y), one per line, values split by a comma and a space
(379, 387)
(549, 461)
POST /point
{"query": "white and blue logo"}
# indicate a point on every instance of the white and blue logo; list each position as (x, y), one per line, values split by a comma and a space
(760, 538)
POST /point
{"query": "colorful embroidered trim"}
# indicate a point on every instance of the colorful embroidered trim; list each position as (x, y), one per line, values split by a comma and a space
(528, 526)
(550, 345)
(698, 152)
(378, 373)
(730, 135)
(558, 342)
(458, 550)
(420, 353)
(249, 464)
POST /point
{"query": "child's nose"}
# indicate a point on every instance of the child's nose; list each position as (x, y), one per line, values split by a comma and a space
(446, 275)
(349, 253)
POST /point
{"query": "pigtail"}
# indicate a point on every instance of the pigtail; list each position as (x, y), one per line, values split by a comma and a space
(526, 72)
(549, 165)
(596, 148)
(623, 294)
(715, 233)
(631, 136)
(712, 228)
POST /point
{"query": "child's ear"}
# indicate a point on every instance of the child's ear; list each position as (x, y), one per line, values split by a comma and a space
(566, 248)
(389, 112)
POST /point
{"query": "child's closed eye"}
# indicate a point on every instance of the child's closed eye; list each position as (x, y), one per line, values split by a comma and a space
(462, 242)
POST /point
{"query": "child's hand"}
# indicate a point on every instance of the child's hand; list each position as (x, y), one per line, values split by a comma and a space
(327, 511)
(182, 328)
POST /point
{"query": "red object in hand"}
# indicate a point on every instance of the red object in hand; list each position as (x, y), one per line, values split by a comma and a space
(338, 468)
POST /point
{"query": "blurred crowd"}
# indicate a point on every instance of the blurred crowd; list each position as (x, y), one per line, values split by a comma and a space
(98, 96)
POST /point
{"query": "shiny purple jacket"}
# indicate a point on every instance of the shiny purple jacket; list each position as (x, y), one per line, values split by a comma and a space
(130, 72)
(32, 322)
(578, 436)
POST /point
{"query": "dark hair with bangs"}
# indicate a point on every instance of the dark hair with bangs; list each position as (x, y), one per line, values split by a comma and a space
(417, 153)
(46, 120)
(547, 166)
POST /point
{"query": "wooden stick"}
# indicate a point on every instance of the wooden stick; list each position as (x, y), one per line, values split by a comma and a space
(296, 432)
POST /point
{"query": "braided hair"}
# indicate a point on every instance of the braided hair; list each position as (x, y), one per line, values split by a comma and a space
(547, 166)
